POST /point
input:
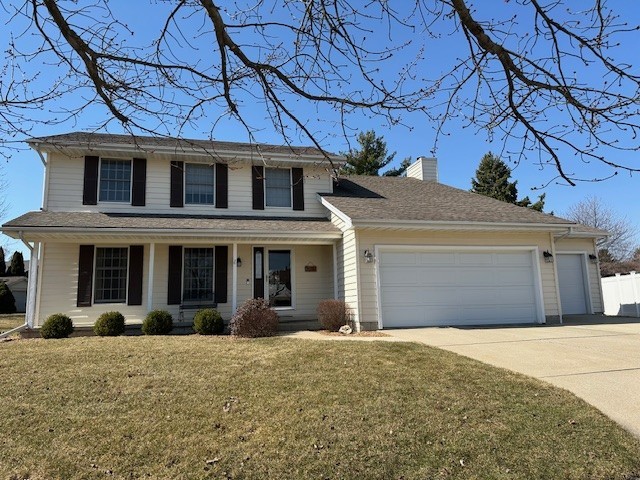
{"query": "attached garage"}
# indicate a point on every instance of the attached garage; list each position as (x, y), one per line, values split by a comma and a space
(426, 286)
(572, 280)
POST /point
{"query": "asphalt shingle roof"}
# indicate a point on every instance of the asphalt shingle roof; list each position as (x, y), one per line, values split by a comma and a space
(171, 223)
(397, 199)
(93, 140)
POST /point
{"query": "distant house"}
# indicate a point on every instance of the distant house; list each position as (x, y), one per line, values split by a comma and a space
(18, 286)
(140, 224)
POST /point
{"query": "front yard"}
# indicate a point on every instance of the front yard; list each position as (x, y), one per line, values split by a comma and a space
(10, 321)
(198, 407)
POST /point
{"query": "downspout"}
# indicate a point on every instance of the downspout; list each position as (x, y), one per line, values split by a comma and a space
(45, 179)
(31, 283)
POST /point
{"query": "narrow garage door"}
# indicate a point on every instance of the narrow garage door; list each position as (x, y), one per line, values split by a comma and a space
(573, 296)
(426, 288)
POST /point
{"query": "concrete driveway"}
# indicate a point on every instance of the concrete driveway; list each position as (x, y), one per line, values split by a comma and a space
(598, 360)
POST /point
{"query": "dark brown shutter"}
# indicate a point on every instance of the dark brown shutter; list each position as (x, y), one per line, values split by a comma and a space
(177, 184)
(220, 279)
(174, 292)
(90, 187)
(257, 184)
(136, 257)
(138, 197)
(222, 185)
(85, 275)
(297, 178)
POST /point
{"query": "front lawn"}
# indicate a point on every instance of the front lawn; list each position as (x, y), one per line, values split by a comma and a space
(9, 321)
(196, 407)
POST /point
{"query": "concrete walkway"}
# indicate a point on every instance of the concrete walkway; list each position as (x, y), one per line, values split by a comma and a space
(598, 360)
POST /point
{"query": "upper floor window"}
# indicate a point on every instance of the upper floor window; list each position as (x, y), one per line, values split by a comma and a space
(277, 187)
(115, 180)
(199, 182)
(111, 275)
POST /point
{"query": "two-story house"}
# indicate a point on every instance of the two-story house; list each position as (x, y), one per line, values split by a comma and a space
(136, 224)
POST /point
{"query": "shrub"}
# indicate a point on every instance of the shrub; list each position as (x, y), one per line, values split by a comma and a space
(254, 318)
(57, 325)
(157, 322)
(109, 324)
(208, 321)
(7, 300)
(333, 314)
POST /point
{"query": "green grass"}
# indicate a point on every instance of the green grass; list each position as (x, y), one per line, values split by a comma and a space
(9, 321)
(197, 407)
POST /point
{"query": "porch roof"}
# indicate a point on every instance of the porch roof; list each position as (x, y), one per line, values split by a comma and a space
(46, 223)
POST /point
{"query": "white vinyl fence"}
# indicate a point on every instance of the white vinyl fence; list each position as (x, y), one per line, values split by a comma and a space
(621, 295)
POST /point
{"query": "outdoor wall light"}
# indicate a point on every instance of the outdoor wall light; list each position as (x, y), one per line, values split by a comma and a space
(593, 258)
(238, 262)
(368, 256)
(548, 258)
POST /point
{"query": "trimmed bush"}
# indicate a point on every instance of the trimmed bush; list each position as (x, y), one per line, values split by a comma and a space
(333, 314)
(208, 321)
(157, 322)
(7, 300)
(109, 324)
(254, 318)
(57, 325)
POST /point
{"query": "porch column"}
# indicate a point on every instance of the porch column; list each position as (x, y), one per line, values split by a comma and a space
(335, 271)
(234, 279)
(152, 261)
(31, 284)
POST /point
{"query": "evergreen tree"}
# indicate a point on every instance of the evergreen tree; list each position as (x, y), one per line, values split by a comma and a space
(7, 300)
(396, 172)
(371, 157)
(3, 264)
(492, 179)
(16, 267)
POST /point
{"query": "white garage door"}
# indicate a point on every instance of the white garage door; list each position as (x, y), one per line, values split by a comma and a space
(425, 288)
(573, 296)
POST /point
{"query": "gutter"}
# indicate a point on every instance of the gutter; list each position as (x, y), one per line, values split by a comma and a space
(262, 234)
(195, 151)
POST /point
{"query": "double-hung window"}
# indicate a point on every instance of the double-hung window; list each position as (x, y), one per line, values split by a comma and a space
(277, 187)
(199, 184)
(115, 180)
(111, 275)
(198, 275)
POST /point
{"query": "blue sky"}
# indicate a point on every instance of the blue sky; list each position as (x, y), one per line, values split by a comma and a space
(458, 153)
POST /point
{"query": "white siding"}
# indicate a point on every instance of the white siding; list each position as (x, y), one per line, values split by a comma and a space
(66, 176)
(59, 288)
(59, 283)
(347, 267)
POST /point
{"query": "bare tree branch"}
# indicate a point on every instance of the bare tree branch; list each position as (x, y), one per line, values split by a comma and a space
(546, 77)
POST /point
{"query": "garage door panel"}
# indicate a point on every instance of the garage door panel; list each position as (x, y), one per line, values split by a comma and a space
(437, 258)
(469, 259)
(515, 276)
(457, 288)
(398, 296)
(401, 276)
(399, 258)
